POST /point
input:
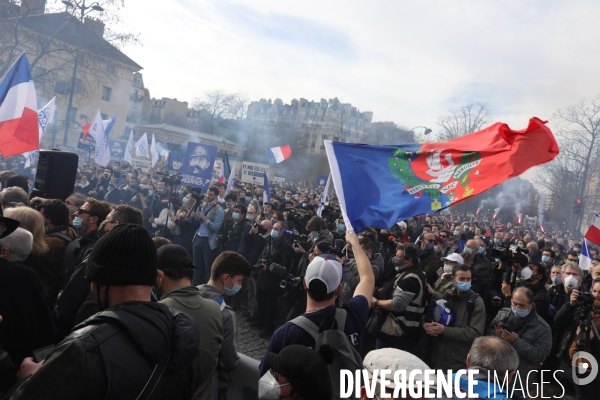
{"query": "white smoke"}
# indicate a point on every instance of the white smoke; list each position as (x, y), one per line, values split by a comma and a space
(541, 208)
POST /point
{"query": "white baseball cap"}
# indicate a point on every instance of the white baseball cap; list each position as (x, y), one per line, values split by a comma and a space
(455, 257)
(325, 268)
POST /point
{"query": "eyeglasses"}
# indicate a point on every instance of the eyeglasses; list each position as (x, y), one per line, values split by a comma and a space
(110, 222)
(443, 236)
(82, 211)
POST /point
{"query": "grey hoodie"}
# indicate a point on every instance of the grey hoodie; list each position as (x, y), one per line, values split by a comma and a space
(351, 277)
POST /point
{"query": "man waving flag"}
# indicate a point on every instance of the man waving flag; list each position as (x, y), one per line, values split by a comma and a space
(378, 186)
(19, 130)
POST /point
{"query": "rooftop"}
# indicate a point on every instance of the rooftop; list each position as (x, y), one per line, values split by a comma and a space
(172, 129)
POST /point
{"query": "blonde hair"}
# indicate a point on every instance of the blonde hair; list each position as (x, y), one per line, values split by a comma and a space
(32, 221)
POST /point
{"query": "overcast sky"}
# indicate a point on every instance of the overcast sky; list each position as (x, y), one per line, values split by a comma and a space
(405, 61)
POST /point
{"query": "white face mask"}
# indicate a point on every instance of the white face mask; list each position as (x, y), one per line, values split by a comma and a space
(557, 280)
(269, 388)
(448, 269)
(571, 282)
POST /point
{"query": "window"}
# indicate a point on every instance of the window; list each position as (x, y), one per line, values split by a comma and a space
(77, 87)
(137, 82)
(106, 93)
(110, 68)
(60, 88)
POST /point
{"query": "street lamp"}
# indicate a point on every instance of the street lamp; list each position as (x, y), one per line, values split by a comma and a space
(84, 10)
(427, 130)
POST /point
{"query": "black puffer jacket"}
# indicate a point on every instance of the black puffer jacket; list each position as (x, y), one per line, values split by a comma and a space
(112, 356)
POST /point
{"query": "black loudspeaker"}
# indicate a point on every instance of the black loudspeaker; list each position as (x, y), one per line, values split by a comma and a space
(55, 175)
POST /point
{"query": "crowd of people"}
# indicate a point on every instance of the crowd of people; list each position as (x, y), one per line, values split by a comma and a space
(131, 286)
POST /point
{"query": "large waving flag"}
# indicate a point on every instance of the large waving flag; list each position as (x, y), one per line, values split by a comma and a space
(107, 124)
(45, 117)
(102, 149)
(128, 156)
(141, 146)
(225, 164)
(278, 154)
(593, 234)
(378, 186)
(153, 151)
(18, 116)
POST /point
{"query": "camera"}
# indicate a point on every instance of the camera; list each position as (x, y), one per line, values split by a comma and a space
(171, 180)
(510, 255)
(139, 190)
(585, 299)
(197, 194)
(259, 264)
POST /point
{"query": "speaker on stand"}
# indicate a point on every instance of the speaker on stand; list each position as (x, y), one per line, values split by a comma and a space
(55, 175)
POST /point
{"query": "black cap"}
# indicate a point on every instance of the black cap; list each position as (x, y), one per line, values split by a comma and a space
(173, 256)
(268, 204)
(305, 369)
(124, 256)
(308, 207)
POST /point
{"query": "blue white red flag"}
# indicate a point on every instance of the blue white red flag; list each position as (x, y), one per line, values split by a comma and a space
(585, 258)
(593, 234)
(45, 117)
(278, 154)
(19, 130)
(107, 124)
(231, 180)
(378, 186)
(102, 148)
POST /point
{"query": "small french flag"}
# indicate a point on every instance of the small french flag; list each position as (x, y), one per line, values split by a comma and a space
(278, 154)
(593, 234)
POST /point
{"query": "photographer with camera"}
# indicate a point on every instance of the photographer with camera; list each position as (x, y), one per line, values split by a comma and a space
(582, 319)
(277, 251)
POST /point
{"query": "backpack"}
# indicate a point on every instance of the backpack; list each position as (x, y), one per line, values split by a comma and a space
(470, 303)
(346, 356)
(62, 236)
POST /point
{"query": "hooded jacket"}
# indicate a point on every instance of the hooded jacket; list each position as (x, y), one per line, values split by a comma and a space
(112, 356)
(207, 315)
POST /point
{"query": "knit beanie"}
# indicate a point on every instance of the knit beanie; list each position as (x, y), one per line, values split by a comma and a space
(305, 369)
(124, 256)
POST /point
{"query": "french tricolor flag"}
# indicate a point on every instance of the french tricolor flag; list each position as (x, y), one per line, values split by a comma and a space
(107, 124)
(278, 154)
(593, 234)
(19, 130)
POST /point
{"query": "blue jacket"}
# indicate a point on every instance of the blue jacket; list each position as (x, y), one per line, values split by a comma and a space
(214, 221)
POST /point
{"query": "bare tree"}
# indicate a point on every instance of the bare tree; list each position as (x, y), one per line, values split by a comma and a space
(575, 173)
(463, 120)
(238, 106)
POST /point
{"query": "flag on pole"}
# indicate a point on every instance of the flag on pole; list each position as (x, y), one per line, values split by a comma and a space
(227, 170)
(153, 151)
(231, 180)
(141, 146)
(278, 154)
(107, 123)
(585, 258)
(378, 186)
(593, 234)
(324, 196)
(45, 117)
(102, 149)
(128, 156)
(19, 130)
(222, 172)
(266, 192)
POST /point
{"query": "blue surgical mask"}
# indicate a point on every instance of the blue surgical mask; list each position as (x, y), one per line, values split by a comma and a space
(248, 198)
(233, 290)
(468, 250)
(545, 259)
(314, 234)
(575, 248)
(341, 227)
(142, 185)
(522, 246)
(456, 233)
(274, 234)
(496, 240)
(161, 190)
(150, 192)
(520, 313)
(77, 223)
(250, 217)
(185, 200)
(235, 216)
(463, 286)
(480, 250)
(181, 192)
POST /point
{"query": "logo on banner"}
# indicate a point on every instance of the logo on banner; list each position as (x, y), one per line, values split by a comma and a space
(433, 173)
(198, 164)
